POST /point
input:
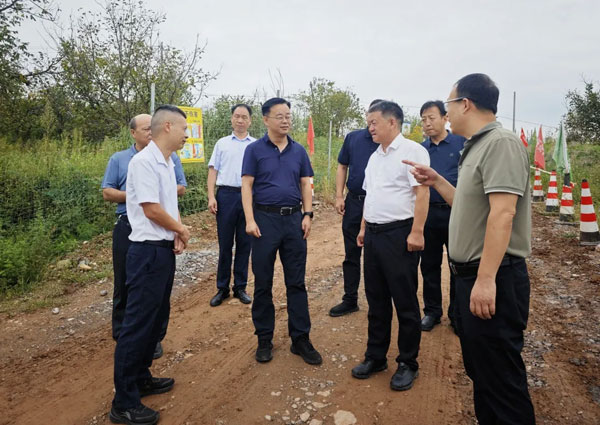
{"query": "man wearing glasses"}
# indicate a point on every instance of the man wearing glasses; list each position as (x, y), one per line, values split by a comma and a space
(489, 238)
(225, 170)
(444, 152)
(277, 200)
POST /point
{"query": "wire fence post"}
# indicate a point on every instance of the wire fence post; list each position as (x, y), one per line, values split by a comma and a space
(329, 153)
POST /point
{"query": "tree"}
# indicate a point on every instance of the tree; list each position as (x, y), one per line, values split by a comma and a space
(583, 115)
(324, 102)
(111, 58)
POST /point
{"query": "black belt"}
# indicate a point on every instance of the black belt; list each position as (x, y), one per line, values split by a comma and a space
(230, 188)
(123, 217)
(277, 209)
(163, 243)
(355, 196)
(439, 205)
(472, 267)
(376, 228)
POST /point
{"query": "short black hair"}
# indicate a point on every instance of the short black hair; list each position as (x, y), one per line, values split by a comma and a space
(433, 104)
(266, 107)
(171, 108)
(480, 89)
(373, 102)
(388, 108)
(241, 105)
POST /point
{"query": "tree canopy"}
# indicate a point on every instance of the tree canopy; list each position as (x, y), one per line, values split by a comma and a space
(583, 115)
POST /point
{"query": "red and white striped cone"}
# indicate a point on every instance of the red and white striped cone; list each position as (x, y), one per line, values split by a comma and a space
(538, 190)
(567, 213)
(552, 198)
(588, 226)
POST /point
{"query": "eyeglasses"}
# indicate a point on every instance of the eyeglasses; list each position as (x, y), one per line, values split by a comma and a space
(456, 99)
(281, 118)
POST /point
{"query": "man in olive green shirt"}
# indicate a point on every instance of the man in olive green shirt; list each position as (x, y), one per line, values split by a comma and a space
(489, 238)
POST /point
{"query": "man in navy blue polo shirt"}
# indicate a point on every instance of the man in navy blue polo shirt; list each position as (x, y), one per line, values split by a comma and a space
(113, 190)
(352, 161)
(444, 152)
(276, 189)
(225, 171)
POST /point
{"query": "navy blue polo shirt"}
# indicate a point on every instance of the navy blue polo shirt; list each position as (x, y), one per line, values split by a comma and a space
(276, 174)
(355, 153)
(444, 159)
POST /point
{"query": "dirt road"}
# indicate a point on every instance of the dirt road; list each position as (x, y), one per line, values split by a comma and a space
(57, 368)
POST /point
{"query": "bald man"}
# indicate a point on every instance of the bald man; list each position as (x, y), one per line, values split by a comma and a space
(113, 190)
(157, 234)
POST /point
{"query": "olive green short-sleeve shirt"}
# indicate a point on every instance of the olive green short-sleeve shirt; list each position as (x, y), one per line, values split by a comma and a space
(493, 160)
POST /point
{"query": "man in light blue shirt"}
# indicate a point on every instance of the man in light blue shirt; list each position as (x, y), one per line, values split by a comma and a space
(113, 189)
(225, 171)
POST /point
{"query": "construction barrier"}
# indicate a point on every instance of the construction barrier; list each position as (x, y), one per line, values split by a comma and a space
(588, 225)
(552, 198)
(567, 212)
(538, 190)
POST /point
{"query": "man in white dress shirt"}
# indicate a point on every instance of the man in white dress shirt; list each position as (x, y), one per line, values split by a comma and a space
(156, 236)
(392, 234)
(225, 170)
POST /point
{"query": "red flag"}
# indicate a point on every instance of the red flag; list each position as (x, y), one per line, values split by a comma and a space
(523, 138)
(539, 160)
(310, 137)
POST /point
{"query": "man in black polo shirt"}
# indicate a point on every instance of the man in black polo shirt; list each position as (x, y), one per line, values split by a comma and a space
(352, 161)
(276, 175)
(444, 152)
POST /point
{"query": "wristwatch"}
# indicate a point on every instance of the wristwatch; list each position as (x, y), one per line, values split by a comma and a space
(308, 213)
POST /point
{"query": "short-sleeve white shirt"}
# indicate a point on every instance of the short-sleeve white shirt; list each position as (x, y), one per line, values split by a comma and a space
(389, 183)
(227, 157)
(150, 178)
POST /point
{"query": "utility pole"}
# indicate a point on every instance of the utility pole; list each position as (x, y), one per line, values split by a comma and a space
(514, 109)
(152, 95)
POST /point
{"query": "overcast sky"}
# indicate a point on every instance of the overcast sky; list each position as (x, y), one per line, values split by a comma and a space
(406, 51)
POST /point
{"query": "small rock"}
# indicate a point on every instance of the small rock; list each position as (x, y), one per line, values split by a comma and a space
(55, 310)
(294, 406)
(268, 417)
(315, 422)
(104, 292)
(275, 393)
(84, 266)
(304, 416)
(318, 405)
(343, 417)
(324, 393)
(63, 264)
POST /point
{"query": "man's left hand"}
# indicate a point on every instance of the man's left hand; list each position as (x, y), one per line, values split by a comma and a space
(306, 223)
(483, 298)
(415, 241)
(179, 245)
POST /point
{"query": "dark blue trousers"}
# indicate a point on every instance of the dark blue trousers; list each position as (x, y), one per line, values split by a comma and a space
(120, 246)
(391, 277)
(283, 234)
(351, 264)
(492, 348)
(150, 273)
(436, 236)
(231, 225)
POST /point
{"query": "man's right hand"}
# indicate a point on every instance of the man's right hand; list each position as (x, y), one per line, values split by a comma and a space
(212, 205)
(360, 239)
(424, 175)
(253, 230)
(340, 205)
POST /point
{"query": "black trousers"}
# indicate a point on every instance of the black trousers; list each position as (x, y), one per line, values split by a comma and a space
(391, 277)
(492, 348)
(120, 246)
(231, 225)
(150, 273)
(351, 265)
(283, 234)
(436, 236)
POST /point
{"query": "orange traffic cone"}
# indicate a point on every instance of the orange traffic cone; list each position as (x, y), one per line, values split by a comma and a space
(552, 198)
(588, 226)
(567, 214)
(538, 190)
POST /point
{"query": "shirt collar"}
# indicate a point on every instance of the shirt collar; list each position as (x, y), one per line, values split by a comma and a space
(132, 150)
(157, 154)
(394, 145)
(486, 128)
(289, 139)
(234, 137)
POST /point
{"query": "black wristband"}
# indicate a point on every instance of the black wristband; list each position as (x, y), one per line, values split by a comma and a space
(308, 213)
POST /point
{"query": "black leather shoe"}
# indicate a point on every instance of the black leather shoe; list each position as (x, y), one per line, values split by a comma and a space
(368, 367)
(155, 386)
(303, 347)
(242, 295)
(263, 352)
(140, 415)
(404, 378)
(428, 322)
(342, 309)
(158, 351)
(218, 299)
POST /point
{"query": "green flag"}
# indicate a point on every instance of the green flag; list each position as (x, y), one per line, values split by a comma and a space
(560, 156)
